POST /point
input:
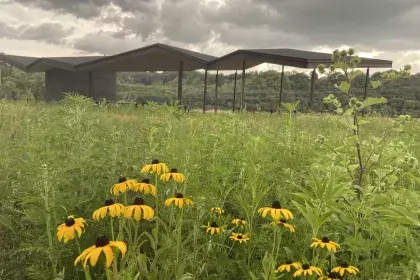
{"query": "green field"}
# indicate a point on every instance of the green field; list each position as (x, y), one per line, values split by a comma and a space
(61, 160)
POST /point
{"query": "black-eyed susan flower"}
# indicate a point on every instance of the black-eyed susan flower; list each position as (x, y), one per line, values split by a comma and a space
(174, 175)
(307, 269)
(122, 186)
(213, 228)
(288, 266)
(275, 211)
(283, 223)
(145, 187)
(179, 200)
(331, 276)
(139, 211)
(217, 210)
(111, 208)
(325, 242)
(239, 222)
(70, 229)
(155, 167)
(102, 244)
(239, 237)
(345, 267)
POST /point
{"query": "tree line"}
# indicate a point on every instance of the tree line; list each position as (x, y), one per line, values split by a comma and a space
(262, 89)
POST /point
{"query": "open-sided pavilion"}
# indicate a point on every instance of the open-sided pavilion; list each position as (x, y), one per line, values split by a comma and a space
(95, 76)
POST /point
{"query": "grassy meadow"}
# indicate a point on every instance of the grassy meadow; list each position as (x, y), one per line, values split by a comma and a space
(62, 160)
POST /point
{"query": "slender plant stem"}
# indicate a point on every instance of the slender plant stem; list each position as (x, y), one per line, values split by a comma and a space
(178, 240)
(114, 265)
(112, 228)
(274, 242)
(157, 211)
(278, 243)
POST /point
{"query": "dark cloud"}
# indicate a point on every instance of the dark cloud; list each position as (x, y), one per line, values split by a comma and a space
(381, 25)
(49, 32)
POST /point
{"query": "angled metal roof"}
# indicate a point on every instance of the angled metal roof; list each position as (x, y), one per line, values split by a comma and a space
(36, 64)
(156, 57)
(161, 57)
(287, 57)
(20, 62)
(66, 63)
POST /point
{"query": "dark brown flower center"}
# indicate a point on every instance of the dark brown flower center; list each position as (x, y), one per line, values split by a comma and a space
(214, 224)
(122, 180)
(333, 275)
(138, 201)
(109, 202)
(306, 266)
(102, 241)
(283, 221)
(239, 236)
(174, 170)
(179, 195)
(288, 262)
(146, 181)
(344, 265)
(325, 239)
(155, 161)
(69, 222)
(276, 204)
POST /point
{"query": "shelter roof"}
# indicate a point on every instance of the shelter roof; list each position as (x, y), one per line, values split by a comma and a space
(156, 57)
(36, 64)
(161, 57)
(287, 57)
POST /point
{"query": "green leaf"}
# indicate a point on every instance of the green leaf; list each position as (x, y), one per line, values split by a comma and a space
(343, 87)
(375, 84)
(374, 101)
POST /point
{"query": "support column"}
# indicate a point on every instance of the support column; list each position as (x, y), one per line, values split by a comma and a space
(216, 93)
(366, 88)
(180, 74)
(234, 92)
(281, 87)
(243, 85)
(311, 96)
(205, 92)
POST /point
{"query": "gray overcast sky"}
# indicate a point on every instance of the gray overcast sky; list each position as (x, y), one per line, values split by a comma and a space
(376, 28)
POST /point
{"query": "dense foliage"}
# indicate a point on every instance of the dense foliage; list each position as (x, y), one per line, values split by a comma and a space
(262, 89)
(63, 159)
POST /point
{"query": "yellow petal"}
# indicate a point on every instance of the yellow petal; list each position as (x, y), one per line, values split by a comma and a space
(109, 255)
(93, 256)
(137, 213)
(119, 245)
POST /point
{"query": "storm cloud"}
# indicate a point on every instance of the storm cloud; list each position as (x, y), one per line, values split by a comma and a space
(49, 32)
(380, 26)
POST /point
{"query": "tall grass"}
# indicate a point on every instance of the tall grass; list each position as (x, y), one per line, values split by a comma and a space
(57, 160)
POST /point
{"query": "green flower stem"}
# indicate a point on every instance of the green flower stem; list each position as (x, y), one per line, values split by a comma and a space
(125, 199)
(280, 233)
(112, 228)
(114, 264)
(178, 240)
(157, 211)
(274, 242)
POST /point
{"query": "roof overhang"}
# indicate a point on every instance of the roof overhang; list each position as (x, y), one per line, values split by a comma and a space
(157, 57)
(295, 58)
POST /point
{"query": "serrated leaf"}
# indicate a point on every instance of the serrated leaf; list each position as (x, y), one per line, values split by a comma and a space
(352, 167)
(349, 112)
(343, 87)
(374, 101)
(375, 84)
